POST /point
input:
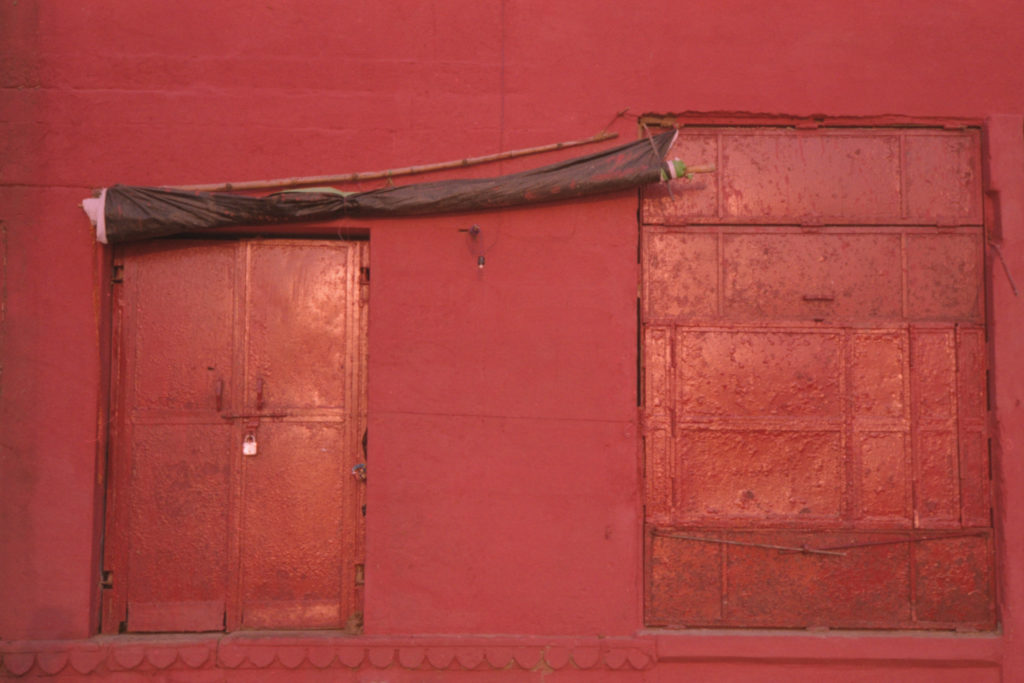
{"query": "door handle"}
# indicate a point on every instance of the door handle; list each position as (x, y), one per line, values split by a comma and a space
(218, 393)
(259, 394)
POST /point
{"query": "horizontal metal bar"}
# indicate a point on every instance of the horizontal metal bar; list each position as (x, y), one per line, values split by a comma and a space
(909, 539)
(234, 416)
(767, 546)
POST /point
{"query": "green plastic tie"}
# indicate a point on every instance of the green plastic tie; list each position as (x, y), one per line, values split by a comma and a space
(679, 167)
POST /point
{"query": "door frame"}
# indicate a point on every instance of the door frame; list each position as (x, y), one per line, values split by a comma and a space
(114, 544)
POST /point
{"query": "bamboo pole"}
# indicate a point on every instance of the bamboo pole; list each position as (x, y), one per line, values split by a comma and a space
(376, 175)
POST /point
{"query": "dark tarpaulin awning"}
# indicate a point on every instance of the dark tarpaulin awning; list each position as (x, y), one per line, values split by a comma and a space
(126, 213)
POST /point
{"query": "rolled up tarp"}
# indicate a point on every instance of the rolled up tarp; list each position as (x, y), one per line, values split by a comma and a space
(124, 213)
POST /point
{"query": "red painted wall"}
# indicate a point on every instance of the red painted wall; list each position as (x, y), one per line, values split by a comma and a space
(505, 489)
(503, 411)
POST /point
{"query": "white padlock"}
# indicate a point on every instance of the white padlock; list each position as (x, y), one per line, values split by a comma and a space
(249, 445)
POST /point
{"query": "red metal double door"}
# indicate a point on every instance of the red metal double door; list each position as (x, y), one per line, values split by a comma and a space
(237, 421)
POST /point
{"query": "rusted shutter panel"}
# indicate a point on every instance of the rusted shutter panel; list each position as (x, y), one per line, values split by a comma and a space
(820, 408)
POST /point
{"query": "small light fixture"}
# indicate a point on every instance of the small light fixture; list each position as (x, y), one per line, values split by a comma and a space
(475, 244)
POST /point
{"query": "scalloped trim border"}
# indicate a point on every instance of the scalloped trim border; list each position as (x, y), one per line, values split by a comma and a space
(228, 652)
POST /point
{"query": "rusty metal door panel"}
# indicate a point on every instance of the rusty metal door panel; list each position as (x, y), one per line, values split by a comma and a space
(684, 581)
(942, 177)
(767, 579)
(659, 460)
(774, 393)
(954, 581)
(761, 273)
(891, 397)
(879, 376)
(177, 355)
(659, 366)
(972, 404)
(776, 578)
(660, 473)
(683, 275)
(296, 539)
(883, 492)
(217, 342)
(863, 587)
(824, 176)
(879, 390)
(758, 373)
(297, 356)
(827, 385)
(944, 275)
(738, 476)
(800, 276)
(177, 560)
(302, 368)
(777, 176)
(170, 483)
(934, 412)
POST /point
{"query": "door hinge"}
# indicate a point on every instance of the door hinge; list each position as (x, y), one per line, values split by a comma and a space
(117, 274)
(107, 579)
